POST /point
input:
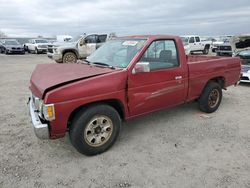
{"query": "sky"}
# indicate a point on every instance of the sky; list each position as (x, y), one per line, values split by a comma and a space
(30, 18)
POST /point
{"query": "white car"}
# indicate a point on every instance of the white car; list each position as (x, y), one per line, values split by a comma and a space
(37, 46)
(196, 45)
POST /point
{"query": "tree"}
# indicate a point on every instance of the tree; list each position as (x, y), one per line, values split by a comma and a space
(2, 34)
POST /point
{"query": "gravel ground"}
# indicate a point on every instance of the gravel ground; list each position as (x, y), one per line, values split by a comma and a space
(179, 147)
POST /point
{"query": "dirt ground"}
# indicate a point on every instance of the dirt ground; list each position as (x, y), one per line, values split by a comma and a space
(179, 147)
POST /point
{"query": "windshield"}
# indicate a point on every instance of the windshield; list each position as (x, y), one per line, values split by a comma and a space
(117, 53)
(41, 41)
(185, 40)
(11, 42)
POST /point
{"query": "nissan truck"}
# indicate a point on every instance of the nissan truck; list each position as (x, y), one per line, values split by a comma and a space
(125, 78)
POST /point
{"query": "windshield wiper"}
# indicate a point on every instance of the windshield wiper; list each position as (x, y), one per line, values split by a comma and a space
(88, 62)
(103, 64)
(83, 61)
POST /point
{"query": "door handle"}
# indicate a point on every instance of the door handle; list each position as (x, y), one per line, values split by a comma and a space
(178, 77)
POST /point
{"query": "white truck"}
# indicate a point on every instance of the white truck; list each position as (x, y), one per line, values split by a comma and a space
(195, 44)
(37, 46)
(78, 48)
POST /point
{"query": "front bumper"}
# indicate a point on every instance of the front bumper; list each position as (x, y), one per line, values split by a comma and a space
(11, 51)
(56, 57)
(41, 129)
(42, 50)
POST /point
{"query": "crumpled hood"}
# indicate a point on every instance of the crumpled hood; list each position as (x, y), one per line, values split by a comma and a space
(48, 76)
(240, 43)
(64, 44)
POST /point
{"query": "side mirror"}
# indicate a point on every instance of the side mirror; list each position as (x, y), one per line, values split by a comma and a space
(82, 42)
(141, 67)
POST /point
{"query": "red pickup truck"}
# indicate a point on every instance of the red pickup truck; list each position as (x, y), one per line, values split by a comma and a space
(125, 78)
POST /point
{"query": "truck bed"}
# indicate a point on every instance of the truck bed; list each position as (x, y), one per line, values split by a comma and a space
(202, 68)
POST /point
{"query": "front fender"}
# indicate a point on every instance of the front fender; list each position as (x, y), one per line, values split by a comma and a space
(65, 50)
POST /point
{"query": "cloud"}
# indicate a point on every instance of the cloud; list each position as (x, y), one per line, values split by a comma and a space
(47, 18)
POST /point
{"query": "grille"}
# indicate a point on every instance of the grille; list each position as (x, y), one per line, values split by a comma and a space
(50, 48)
(43, 46)
(244, 78)
(225, 48)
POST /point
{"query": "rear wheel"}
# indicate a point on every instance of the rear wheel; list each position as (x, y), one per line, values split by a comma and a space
(210, 99)
(95, 129)
(69, 57)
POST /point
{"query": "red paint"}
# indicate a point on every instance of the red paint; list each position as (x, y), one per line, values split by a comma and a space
(138, 94)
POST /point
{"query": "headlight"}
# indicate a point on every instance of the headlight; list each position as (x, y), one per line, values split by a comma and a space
(49, 112)
(55, 50)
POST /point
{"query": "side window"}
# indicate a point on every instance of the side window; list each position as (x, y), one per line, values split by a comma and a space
(161, 54)
(91, 39)
(191, 40)
(197, 39)
(101, 38)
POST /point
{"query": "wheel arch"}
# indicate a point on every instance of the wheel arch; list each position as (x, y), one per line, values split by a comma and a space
(219, 79)
(115, 103)
(70, 50)
(207, 46)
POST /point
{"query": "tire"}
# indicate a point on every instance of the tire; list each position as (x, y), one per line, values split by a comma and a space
(69, 57)
(6, 52)
(210, 98)
(28, 50)
(36, 51)
(85, 138)
(206, 50)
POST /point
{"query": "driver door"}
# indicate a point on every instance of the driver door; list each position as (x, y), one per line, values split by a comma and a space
(164, 86)
(88, 47)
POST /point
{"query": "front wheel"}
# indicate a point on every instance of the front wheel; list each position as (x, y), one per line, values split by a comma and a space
(210, 99)
(95, 129)
(69, 57)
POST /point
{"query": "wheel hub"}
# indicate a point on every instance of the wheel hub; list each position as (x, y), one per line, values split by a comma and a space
(213, 98)
(98, 131)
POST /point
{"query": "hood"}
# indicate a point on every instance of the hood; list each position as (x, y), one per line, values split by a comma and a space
(66, 44)
(43, 44)
(240, 43)
(14, 46)
(49, 76)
